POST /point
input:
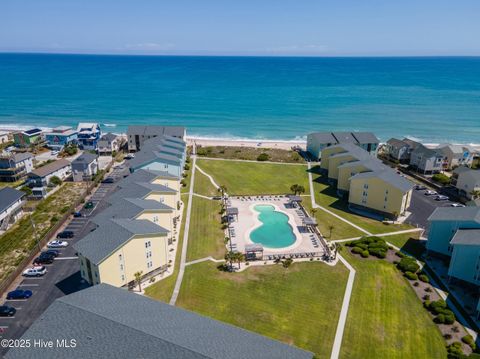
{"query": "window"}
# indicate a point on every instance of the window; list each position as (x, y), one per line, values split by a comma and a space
(121, 267)
(123, 278)
(155, 219)
(120, 257)
(365, 186)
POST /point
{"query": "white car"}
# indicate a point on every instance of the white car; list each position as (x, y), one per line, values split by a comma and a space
(441, 198)
(35, 271)
(430, 193)
(129, 156)
(57, 244)
(457, 205)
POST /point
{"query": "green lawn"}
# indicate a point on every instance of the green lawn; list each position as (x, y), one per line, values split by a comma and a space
(203, 185)
(326, 196)
(250, 153)
(408, 242)
(206, 237)
(341, 230)
(20, 239)
(12, 184)
(163, 289)
(385, 318)
(249, 178)
(299, 305)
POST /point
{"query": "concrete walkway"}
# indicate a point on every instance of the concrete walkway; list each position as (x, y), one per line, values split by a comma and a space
(337, 343)
(209, 258)
(381, 235)
(209, 177)
(202, 196)
(183, 257)
(315, 205)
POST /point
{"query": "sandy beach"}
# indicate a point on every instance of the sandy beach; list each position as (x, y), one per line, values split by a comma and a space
(284, 145)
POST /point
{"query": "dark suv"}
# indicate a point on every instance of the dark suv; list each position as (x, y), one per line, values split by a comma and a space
(65, 234)
(44, 258)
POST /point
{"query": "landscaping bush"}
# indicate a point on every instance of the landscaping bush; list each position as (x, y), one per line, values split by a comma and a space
(55, 181)
(377, 252)
(441, 178)
(27, 190)
(439, 319)
(447, 336)
(416, 284)
(365, 254)
(183, 183)
(411, 276)
(186, 167)
(423, 278)
(437, 307)
(426, 297)
(363, 246)
(455, 350)
(263, 157)
(408, 264)
(357, 250)
(399, 254)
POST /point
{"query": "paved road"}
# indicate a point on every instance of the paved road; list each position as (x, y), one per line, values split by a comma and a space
(62, 278)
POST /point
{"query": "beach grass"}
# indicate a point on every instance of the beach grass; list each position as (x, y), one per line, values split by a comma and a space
(250, 153)
(206, 236)
(299, 305)
(163, 290)
(326, 196)
(386, 319)
(250, 178)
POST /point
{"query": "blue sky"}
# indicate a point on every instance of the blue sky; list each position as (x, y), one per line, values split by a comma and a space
(242, 27)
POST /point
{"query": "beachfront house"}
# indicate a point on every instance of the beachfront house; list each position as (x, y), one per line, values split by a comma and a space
(4, 137)
(60, 137)
(120, 247)
(138, 134)
(456, 155)
(109, 322)
(109, 144)
(445, 222)
(84, 167)
(15, 166)
(40, 177)
(88, 135)
(425, 160)
(467, 182)
(398, 150)
(318, 141)
(28, 138)
(11, 203)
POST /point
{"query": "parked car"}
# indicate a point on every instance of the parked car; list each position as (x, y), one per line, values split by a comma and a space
(430, 193)
(109, 180)
(66, 234)
(57, 244)
(19, 294)
(7, 311)
(456, 205)
(420, 187)
(129, 156)
(441, 197)
(77, 214)
(51, 252)
(88, 205)
(35, 271)
(43, 260)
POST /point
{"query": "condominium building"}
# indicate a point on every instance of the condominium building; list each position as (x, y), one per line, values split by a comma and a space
(318, 141)
(137, 135)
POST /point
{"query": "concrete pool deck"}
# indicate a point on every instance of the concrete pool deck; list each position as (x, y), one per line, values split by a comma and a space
(247, 220)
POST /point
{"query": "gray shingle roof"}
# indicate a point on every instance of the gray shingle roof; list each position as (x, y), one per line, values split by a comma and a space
(371, 163)
(388, 175)
(323, 137)
(84, 159)
(365, 137)
(462, 214)
(413, 144)
(159, 174)
(18, 157)
(112, 323)
(344, 137)
(50, 168)
(428, 152)
(466, 237)
(111, 234)
(109, 137)
(395, 142)
(174, 131)
(9, 196)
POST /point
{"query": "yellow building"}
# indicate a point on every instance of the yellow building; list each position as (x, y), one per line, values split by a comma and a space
(383, 192)
(330, 151)
(349, 169)
(336, 160)
(119, 248)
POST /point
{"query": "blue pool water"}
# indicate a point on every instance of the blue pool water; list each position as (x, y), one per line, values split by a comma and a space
(275, 232)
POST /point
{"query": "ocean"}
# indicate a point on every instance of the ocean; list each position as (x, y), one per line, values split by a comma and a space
(432, 99)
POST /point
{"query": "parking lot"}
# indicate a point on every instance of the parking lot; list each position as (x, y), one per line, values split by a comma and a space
(422, 207)
(63, 275)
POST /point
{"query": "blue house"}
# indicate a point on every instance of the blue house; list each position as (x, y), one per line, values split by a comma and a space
(61, 136)
(444, 224)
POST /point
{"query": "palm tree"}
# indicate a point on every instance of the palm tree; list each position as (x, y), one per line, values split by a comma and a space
(138, 279)
(230, 257)
(239, 258)
(314, 210)
(330, 228)
(297, 189)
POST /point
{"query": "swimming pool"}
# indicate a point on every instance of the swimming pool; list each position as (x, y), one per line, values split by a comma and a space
(275, 231)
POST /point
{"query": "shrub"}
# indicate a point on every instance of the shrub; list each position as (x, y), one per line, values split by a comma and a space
(55, 181)
(27, 190)
(183, 183)
(365, 254)
(439, 319)
(416, 284)
(399, 254)
(377, 252)
(263, 157)
(468, 339)
(186, 167)
(455, 349)
(408, 264)
(441, 178)
(428, 289)
(423, 278)
(447, 336)
(363, 246)
(411, 276)
(449, 319)
(357, 250)
(438, 306)
(426, 297)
